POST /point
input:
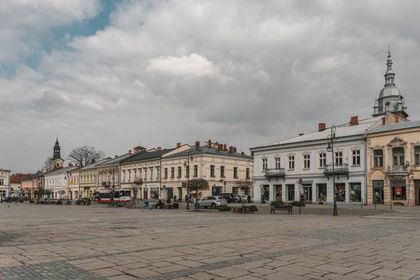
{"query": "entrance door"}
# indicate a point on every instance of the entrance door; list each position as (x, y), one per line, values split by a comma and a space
(378, 192)
(278, 191)
(417, 188)
(322, 192)
(307, 193)
(340, 191)
(216, 190)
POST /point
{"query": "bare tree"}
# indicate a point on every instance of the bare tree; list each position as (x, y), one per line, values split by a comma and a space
(244, 186)
(85, 155)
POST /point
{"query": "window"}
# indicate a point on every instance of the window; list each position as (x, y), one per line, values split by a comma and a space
(339, 158)
(165, 174)
(222, 172)
(277, 162)
(187, 171)
(378, 158)
(195, 170)
(135, 173)
(247, 173)
(356, 157)
(291, 162)
(264, 164)
(157, 173)
(322, 160)
(398, 156)
(290, 192)
(129, 175)
(235, 173)
(151, 173)
(179, 172)
(355, 192)
(145, 173)
(172, 172)
(306, 161)
(340, 191)
(417, 155)
(212, 174)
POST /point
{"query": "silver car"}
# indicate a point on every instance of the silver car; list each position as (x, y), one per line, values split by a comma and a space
(211, 201)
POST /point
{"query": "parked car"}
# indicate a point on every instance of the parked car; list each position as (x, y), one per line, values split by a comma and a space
(211, 201)
(231, 198)
(83, 201)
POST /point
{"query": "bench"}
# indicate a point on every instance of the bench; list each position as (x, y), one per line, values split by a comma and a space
(280, 206)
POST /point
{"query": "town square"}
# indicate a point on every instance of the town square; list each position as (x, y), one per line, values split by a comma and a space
(208, 139)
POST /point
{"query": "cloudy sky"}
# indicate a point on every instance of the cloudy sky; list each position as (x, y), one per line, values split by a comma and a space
(114, 74)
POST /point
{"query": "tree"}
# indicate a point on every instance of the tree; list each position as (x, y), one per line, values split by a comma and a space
(85, 155)
(244, 186)
(197, 184)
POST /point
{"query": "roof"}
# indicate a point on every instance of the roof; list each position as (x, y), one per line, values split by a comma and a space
(343, 130)
(145, 155)
(95, 164)
(33, 176)
(112, 161)
(396, 126)
(61, 170)
(209, 151)
(4, 170)
(18, 178)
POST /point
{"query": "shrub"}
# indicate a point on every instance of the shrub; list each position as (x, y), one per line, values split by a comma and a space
(253, 208)
(224, 208)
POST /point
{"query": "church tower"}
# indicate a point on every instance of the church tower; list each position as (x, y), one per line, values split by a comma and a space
(56, 161)
(390, 98)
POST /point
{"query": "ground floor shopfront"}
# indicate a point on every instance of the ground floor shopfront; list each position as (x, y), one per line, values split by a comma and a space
(312, 190)
(398, 190)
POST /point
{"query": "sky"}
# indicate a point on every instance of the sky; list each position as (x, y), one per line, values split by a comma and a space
(116, 74)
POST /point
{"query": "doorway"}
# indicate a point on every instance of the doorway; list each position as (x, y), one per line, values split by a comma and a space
(378, 192)
(417, 188)
(278, 192)
(307, 193)
(265, 193)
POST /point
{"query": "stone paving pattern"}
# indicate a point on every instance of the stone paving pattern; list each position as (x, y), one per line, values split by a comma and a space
(88, 242)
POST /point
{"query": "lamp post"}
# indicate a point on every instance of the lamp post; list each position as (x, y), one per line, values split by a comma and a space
(187, 167)
(330, 148)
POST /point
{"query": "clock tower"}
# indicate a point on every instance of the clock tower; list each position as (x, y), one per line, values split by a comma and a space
(56, 161)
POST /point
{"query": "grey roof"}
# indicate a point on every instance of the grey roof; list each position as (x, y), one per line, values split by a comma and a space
(209, 151)
(343, 130)
(61, 170)
(396, 126)
(94, 165)
(33, 176)
(147, 155)
(113, 161)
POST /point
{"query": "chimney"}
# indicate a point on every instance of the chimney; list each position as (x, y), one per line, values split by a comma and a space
(115, 156)
(130, 152)
(300, 134)
(230, 149)
(159, 148)
(219, 147)
(224, 147)
(70, 164)
(234, 150)
(178, 144)
(354, 120)
(197, 145)
(322, 126)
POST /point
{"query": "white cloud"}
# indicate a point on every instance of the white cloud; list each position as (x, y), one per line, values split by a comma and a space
(192, 65)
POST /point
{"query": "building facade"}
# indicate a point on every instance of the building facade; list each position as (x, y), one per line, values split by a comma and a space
(88, 179)
(74, 183)
(302, 166)
(5, 188)
(394, 164)
(56, 183)
(223, 168)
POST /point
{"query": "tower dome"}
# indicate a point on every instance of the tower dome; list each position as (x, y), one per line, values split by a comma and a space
(390, 98)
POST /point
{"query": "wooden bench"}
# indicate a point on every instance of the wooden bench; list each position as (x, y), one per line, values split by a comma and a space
(280, 206)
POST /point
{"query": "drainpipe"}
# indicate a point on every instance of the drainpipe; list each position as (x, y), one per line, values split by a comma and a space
(366, 167)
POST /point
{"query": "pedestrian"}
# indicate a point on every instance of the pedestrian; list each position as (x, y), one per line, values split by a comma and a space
(249, 198)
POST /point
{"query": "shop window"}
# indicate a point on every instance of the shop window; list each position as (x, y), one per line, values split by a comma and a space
(340, 191)
(290, 192)
(398, 193)
(355, 192)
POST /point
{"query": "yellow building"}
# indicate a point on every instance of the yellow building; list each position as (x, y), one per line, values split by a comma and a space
(394, 164)
(88, 179)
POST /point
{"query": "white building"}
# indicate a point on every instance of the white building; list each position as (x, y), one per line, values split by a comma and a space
(56, 182)
(302, 165)
(5, 187)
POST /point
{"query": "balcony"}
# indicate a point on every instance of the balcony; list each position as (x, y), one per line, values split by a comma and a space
(274, 173)
(397, 170)
(337, 171)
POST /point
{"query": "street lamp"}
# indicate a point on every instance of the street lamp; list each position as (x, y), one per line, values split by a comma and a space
(330, 148)
(188, 171)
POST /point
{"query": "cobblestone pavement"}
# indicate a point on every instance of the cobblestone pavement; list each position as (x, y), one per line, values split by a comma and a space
(88, 242)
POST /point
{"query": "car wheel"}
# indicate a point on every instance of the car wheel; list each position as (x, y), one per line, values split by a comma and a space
(213, 205)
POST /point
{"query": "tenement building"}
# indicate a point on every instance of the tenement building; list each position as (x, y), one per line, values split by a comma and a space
(4, 182)
(222, 168)
(394, 164)
(305, 166)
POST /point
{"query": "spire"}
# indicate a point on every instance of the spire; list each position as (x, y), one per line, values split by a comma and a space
(56, 149)
(56, 140)
(389, 74)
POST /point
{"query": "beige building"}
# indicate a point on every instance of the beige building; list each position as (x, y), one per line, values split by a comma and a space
(394, 164)
(74, 183)
(142, 171)
(222, 167)
(88, 179)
